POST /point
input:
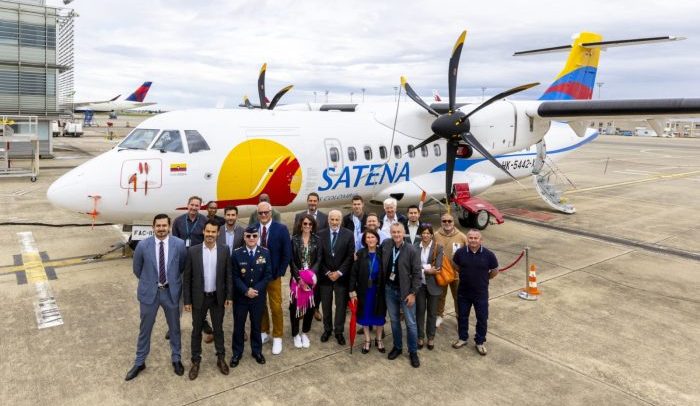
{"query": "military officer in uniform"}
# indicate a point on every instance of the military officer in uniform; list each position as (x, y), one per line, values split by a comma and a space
(252, 271)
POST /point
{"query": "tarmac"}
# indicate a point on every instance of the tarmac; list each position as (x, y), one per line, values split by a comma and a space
(616, 322)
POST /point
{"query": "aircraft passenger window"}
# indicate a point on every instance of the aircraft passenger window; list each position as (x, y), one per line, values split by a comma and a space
(169, 141)
(352, 154)
(411, 151)
(335, 155)
(424, 151)
(195, 141)
(397, 151)
(368, 153)
(140, 138)
(382, 151)
(436, 149)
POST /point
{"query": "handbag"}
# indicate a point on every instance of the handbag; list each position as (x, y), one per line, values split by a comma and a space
(447, 272)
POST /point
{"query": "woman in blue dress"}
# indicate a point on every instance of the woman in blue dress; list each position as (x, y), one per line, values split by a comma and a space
(367, 288)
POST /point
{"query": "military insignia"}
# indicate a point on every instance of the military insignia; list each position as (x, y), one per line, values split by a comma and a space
(243, 271)
(261, 260)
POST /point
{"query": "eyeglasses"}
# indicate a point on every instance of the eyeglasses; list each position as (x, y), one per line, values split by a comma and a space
(264, 213)
(447, 221)
(251, 236)
(306, 224)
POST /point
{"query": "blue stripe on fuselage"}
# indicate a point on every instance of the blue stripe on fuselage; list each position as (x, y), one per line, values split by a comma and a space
(464, 164)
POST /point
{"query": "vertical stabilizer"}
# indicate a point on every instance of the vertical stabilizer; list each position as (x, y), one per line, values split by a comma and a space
(577, 79)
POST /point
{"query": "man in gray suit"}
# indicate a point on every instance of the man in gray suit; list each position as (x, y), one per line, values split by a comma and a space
(402, 271)
(207, 287)
(158, 264)
(312, 204)
(231, 234)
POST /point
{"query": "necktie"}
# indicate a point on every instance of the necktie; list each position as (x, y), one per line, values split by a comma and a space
(161, 264)
(335, 235)
(264, 237)
(251, 255)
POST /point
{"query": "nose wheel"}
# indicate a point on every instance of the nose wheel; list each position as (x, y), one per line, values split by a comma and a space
(478, 220)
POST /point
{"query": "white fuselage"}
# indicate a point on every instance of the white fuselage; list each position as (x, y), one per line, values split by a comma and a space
(117, 105)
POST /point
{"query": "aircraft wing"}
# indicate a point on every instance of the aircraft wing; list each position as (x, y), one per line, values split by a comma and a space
(433, 184)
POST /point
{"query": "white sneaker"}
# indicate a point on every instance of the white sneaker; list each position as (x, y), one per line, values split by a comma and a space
(264, 337)
(305, 342)
(276, 346)
(297, 341)
(438, 321)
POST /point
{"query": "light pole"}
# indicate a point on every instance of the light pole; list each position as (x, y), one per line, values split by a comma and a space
(351, 93)
(483, 89)
(396, 89)
(326, 96)
(363, 95)
(599, 84)
(314, 96)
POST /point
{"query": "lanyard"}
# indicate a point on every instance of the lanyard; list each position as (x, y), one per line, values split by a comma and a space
(187, 226)
(395, 255)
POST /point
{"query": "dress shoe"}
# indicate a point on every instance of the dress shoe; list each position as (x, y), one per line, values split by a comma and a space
(325, 336)
(380, 348)
(276, 345)
(134, 372)
(415, 362)
(235, 360)
(421, 343)
(394, 353)
(430, 344)
(318, 316)
(366, 347)
(259, 358)
(194, 371)
(221, 363)
(178, 368)
(208, 338)
(340, 338)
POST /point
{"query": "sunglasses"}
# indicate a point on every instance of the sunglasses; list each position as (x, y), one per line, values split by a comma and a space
(251, 236)
(447, 221)
(263, 213)
(306, 224)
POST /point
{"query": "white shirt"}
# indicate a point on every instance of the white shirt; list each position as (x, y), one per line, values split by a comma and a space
(209, 266)
(230, 237)
(425, 259)
(165, 249)
(412, 231)
(386, 224)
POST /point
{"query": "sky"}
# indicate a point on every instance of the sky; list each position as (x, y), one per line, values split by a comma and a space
(200, 53)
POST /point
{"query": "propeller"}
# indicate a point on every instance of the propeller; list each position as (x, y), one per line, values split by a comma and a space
(454, 126)
(265, 104)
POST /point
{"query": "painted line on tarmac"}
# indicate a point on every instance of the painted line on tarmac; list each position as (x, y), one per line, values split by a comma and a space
(45, 306)
(634, 182)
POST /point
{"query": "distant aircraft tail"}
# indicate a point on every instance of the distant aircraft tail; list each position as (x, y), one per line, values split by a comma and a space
(576, 80)
(140, 94)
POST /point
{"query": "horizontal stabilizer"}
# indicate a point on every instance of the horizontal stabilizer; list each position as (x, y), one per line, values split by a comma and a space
(601, 45)
(640, 109)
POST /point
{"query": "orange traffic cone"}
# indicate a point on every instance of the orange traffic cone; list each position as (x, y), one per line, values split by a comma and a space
(530, 292)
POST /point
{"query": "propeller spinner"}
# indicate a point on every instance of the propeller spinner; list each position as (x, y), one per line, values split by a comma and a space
(454, 125)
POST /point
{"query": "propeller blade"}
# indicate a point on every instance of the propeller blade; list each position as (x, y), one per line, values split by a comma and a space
(246, 102)
(427, 141)
(471, 140)
(278, 96)
(261, 87)
(450, 168)
(499, 97)
(412, 94)
(452, 73)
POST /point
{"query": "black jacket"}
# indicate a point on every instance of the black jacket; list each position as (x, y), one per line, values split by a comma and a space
(297, 262)
(359, 282)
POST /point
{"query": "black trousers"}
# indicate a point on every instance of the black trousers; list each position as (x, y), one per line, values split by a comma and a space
(328, 292)
(199, 317)
(307, 318)
(243, 308)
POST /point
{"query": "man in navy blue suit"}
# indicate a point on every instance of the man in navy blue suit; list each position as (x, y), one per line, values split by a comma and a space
(252, 270)
(275, 237)
(158, 264)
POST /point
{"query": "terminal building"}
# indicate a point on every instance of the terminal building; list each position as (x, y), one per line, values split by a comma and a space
(36, 70)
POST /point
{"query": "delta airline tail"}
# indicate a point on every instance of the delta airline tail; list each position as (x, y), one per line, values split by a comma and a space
(140, 94)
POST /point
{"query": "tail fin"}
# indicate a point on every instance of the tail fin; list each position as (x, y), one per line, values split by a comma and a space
(140, 94)
(576, 80)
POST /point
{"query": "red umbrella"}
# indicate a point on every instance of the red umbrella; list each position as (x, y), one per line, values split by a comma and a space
(352, 304)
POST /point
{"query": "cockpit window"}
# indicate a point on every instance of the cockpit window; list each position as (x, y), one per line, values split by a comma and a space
(140, 138)
(169, 141)
(195, 141)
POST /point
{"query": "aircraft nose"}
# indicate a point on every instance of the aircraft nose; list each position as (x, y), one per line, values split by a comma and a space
(65, 192)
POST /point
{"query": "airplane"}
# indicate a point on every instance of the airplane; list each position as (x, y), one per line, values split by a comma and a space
(135, 100)
(376, 150)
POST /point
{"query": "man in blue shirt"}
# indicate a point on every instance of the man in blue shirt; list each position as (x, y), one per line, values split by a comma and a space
(477, 265)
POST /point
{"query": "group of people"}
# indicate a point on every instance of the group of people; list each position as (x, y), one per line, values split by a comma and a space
(383, 264)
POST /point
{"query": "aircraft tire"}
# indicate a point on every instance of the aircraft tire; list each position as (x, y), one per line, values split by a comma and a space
(479, 220)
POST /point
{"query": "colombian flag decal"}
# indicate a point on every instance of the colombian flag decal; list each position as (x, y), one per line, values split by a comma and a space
(178, 168)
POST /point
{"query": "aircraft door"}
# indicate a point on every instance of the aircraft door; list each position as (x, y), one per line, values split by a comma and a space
(334, 156)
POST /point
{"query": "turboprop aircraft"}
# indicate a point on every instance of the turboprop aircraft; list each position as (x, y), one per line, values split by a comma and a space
(374, 150)
(135, 100)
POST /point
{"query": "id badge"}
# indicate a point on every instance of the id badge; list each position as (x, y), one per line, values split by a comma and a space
(392, 277)
(187, 243)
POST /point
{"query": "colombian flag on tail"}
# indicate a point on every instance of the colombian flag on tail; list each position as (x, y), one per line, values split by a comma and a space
(577, 79)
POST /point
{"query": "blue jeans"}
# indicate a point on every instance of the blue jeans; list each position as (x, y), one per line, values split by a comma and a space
(393, 301)
(481, 309)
